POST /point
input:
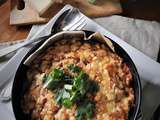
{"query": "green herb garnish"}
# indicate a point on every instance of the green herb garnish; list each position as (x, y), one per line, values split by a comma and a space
(85, 110)
(73, 89)
(92, 1)
(74, 69)
(54, 79)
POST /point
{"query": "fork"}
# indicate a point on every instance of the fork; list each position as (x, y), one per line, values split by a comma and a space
(68, 16)
(78, 22)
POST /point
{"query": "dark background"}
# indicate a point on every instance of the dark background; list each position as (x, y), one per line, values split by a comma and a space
(143, 9)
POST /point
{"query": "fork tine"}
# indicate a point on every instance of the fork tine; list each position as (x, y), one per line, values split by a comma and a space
(75, 22)
(82, 26)
(78, 24)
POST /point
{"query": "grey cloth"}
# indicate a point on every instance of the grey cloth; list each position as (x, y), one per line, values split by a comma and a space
(143, 35)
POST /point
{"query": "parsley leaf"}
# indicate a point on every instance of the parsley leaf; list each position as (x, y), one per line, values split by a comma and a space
(59, 96)
(92, 1)
(73, 68)
(85, 110)
(56, 74)
(67, 103)
(73, 89)
(53, 79)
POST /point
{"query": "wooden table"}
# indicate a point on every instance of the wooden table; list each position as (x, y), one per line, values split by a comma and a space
(136, 10)
(8, 32)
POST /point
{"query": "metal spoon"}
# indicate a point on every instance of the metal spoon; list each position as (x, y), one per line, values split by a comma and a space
(56, 27)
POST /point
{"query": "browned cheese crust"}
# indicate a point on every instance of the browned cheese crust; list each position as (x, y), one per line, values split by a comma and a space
(114, 98)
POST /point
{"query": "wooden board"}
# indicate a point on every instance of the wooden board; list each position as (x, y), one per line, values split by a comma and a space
(10, 33)
(22, 14)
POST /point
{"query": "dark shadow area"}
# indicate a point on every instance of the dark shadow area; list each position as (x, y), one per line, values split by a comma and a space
(2, 1)
(20, 4)
(142, 9)
(158, 56)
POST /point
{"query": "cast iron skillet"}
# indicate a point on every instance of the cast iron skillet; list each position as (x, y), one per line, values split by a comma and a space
(20, 84)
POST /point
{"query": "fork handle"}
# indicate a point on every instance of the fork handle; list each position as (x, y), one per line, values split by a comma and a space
(7, 50)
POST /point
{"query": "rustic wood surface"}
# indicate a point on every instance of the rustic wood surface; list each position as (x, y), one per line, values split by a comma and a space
(21, 13)
(8, 32)
(12, 33)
